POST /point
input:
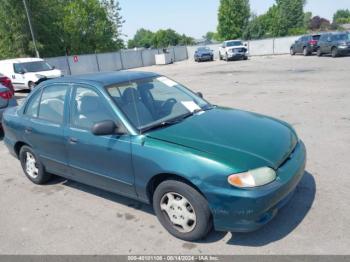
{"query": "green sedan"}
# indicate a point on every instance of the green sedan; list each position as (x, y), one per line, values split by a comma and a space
(147, 137)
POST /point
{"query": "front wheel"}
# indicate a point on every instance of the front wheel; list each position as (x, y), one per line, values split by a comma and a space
(334, 52)
(182, 210)
(32, 167)
(31, 85)
(319, 53)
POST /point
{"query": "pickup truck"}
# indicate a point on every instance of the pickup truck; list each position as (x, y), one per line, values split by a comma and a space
(233, 49)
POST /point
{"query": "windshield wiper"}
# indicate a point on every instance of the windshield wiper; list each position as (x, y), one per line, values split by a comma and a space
(175, 120)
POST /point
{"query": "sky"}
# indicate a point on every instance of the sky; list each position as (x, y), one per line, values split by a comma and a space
(196, 17)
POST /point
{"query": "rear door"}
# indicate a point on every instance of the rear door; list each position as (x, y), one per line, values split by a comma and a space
(44, 121)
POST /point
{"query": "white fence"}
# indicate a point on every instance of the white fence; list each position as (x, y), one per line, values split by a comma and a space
(127, 59)
(114, 61)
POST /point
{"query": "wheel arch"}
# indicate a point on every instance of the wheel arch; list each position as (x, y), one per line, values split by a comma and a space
(18, 146)
(154, 182)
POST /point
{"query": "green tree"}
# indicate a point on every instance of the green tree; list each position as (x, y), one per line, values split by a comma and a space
(233, 17)
(209, 36)
(290, 16)
(80, 26)
(88, 29)
(143, 38)
(342, 16)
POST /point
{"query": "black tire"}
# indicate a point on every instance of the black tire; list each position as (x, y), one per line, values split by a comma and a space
(335, 52)
(226, 57)
(245, 58)
(319, 52)
(42, 177)
(305, 51)
(203, 219)
(292, 52)
(220, 56)
(31, 86)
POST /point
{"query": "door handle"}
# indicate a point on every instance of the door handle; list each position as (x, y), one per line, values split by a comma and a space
(73, 140)
(28, 130)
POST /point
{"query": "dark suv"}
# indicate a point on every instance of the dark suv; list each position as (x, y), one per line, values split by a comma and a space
(336, 44)
(305, 45)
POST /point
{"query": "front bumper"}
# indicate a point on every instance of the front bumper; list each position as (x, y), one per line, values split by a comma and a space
(236, 55)
(245, 210)
(344, 50)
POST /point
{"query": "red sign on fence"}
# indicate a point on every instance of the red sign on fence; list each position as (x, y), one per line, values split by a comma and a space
(75, 59)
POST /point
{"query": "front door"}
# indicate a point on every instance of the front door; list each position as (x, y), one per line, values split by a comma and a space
(100, 161)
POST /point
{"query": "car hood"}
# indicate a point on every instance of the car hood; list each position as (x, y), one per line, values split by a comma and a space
(204, 52)
(49, 74)
(231, 134)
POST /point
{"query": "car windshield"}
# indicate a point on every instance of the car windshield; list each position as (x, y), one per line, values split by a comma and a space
(155, 102)
(37, 66)
(342, 37)
(234, 43)
(203, 49)
(316, 37)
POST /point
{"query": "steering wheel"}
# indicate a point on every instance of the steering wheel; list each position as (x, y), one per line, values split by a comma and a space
(168, 105)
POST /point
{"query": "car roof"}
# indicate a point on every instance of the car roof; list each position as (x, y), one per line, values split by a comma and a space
(105, 78)
(22, 60)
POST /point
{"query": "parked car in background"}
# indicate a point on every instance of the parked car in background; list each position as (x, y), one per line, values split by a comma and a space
(305, 45)
(203, 54)
(5, 81)
(25, 72)
(7, 99)
(233, 49)
(199, 165)
(336, 44)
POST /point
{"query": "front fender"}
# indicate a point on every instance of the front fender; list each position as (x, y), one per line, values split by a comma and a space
(152, 157)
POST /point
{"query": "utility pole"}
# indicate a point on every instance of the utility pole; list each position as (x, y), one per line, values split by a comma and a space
(31, 28)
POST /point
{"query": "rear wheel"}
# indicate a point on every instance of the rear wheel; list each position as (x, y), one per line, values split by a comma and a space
(305, 52)
(334, 52)
(182, 210)
(292, 52)
(32, 167)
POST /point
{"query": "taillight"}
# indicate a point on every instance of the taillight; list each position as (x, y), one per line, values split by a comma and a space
(7, 95)
(313, 42)
(5, 81)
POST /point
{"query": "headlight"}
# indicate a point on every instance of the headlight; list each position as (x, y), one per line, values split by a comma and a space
(253, 178)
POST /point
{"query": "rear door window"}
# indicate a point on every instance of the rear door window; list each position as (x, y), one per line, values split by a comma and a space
(33, 105)
(52, 103)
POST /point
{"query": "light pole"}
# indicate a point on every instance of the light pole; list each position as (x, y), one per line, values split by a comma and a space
(31, 28)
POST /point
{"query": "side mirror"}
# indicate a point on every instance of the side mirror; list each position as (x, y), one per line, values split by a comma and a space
(104, 128)
(200, 94)
(245, 44)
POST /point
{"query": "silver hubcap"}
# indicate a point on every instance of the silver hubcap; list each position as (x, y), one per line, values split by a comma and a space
(31, 167)
(179, 211)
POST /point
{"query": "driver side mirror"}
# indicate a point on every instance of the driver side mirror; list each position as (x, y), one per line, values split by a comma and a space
(200, 94)
(105, 128)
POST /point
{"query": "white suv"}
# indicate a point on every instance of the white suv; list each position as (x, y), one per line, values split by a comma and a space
(233, 49)
(25, 72)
